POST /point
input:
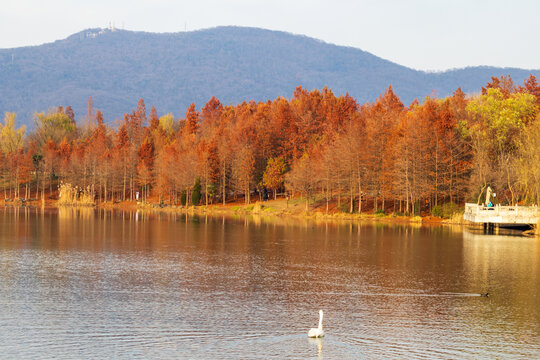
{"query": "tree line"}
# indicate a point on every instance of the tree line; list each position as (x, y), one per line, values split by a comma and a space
(374, 156)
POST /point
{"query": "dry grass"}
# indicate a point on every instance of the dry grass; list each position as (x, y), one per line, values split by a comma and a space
(74, 196)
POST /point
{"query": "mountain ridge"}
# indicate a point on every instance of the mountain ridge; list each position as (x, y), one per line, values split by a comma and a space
(173, 70)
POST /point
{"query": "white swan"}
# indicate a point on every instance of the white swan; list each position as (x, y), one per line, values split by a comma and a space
(318, 332)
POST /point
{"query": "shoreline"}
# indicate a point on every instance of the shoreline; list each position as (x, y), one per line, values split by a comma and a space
(279, 208)
(271, 209)
(295, 209)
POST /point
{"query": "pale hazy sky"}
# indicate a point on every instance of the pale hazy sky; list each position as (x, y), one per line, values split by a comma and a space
(422, 34)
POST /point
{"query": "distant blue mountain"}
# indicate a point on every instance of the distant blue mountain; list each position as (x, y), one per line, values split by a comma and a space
(172, 70)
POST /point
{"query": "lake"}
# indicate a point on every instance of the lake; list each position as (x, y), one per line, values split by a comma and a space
(85, 283)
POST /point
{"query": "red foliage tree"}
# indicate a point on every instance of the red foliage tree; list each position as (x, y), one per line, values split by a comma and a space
(192, 120)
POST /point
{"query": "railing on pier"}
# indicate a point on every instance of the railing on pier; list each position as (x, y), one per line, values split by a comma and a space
(501, 214)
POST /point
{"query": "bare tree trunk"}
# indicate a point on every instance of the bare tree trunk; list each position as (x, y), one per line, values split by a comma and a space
(407, 185)
(507, 166)
(436, 172)
(224, 185)
(206, 188)
(327, 194)
(481, 192)
(359, 197)
(124, 186)
(351, 207)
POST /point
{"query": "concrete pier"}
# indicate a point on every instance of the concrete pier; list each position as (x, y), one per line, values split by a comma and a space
(501, 215)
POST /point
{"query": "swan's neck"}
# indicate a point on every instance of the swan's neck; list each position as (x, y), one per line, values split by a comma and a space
(320, 320)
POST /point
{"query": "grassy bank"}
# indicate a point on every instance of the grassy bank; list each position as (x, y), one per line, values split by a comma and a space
(295, 208)
(280, 208)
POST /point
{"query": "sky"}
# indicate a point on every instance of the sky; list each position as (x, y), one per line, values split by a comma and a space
(427, 35)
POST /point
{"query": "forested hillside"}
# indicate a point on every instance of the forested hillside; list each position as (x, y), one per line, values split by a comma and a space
(170, 71)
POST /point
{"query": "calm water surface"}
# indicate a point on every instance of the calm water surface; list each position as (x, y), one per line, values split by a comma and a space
(96, 284)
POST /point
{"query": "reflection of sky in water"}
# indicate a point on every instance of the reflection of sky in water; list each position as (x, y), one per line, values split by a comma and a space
(81, 283)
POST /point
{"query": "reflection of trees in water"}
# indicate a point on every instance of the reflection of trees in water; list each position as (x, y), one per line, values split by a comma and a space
(17, 225)
(505, 266)
(69, 212)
